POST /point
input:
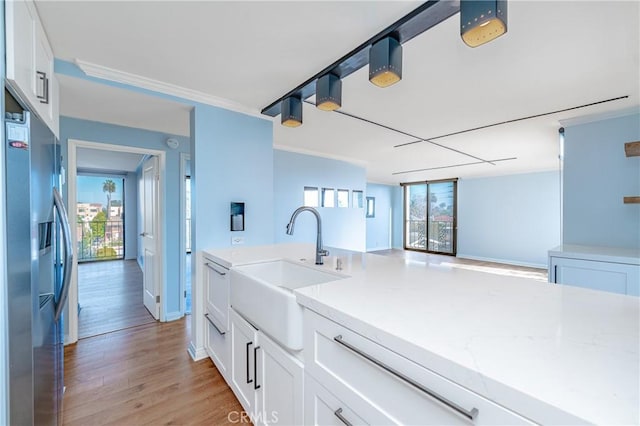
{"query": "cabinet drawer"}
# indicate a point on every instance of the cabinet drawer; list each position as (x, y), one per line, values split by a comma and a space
(322, 408)
(348, 364)
(217, 346)
(216, 288)
(604, 276)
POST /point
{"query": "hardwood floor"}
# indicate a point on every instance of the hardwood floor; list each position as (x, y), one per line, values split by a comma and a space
(143, 376)
(476, 265)
(110, 296)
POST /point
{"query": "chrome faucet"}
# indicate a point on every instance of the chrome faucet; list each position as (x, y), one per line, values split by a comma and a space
(320, 252)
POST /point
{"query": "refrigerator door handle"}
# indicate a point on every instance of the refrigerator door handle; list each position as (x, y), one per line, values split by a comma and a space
(68, 253)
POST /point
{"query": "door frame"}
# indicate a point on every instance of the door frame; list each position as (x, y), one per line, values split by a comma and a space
(184, 157)
(71, 335)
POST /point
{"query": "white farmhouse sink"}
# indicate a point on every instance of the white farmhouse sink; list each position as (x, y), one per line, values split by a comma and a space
(262, 293)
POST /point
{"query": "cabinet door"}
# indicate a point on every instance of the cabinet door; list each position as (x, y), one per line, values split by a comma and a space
(217, 293)
(243, 344)
(217, 346)
(604, 276)
(43, 75)
(322, 408)
(280, 385)
(20, 41)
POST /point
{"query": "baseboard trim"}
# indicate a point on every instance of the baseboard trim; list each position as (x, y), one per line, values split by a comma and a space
(505, 261)
(172, 316)
(378, 248)
(196, 354)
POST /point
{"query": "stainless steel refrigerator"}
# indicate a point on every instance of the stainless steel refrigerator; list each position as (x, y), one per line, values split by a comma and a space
(39, 258)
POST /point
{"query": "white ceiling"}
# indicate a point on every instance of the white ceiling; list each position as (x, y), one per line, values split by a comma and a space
(88, 159)
(555, 55)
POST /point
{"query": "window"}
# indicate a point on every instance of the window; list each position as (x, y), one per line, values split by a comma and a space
(328, 197)
(430, 216)
(310, 196)
(357, 199)
(343, 198)
(371, 207)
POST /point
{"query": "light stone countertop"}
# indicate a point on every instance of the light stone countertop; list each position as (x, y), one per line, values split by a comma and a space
(602, 254)
(552, 353)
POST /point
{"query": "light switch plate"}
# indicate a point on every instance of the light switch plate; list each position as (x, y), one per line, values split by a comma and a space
(237, 240)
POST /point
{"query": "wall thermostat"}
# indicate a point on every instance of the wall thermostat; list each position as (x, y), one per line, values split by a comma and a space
(173, 143)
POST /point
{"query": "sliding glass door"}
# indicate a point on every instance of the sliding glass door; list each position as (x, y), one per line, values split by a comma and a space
(430, 216)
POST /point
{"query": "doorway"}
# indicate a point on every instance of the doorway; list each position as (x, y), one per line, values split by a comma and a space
(116, 278)
(185, 239)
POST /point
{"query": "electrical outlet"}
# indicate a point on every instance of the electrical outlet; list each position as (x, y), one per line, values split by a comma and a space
(237, 240)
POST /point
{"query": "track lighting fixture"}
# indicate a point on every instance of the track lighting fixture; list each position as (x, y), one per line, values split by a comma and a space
(385, 62)
(329, 92)
(482, 21)
(291, 115)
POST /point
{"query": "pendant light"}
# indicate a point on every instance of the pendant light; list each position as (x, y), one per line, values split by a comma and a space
(482, 20)
(329, 92)
(385, 62)
(291, 112)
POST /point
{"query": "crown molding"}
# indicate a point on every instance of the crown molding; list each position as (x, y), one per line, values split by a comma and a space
(117, 76)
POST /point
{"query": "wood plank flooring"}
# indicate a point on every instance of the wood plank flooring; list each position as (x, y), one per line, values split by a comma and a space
(110, 296)
(143, 376)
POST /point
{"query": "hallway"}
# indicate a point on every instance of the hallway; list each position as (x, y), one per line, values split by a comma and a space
(110, 297)
(143, 375)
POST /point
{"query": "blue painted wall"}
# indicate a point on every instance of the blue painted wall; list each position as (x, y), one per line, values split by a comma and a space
(511, 219)
(130, 216)
(379, 228)
(342, 227)
(71, 128)
(231, 161)
(596, 177)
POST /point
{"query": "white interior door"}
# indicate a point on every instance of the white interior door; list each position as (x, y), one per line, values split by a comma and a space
(149, 234)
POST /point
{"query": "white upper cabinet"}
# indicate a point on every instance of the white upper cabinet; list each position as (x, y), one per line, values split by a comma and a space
(30, 61)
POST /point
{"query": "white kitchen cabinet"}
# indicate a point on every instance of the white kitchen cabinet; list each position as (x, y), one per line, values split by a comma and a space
(382, 387)
(216, 289)
(281, 381)
(323, 408)
(266, 379)
(30, 61)
(598, 268)
(217, 346)
(243, 362)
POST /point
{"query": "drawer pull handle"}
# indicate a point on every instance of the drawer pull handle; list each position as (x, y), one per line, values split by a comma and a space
(471, 415)
(214, 324)
(339, 415)
(210, 266)
(256, 386)
(248, 379)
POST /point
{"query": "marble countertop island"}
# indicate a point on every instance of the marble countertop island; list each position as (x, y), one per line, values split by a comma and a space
(554, 354)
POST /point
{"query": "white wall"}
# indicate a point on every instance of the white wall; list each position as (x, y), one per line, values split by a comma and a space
(596, 177)
(342, 227)
(511, 219)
